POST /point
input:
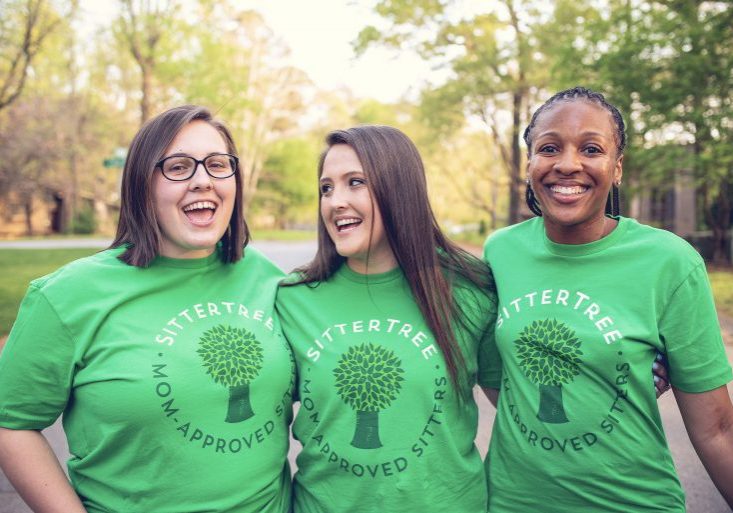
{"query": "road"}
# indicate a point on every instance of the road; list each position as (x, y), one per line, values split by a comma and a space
(702, 497)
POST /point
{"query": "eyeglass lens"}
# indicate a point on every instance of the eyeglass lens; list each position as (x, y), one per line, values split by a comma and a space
(181, 167)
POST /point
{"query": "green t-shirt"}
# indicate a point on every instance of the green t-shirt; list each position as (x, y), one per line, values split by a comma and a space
(381, 426)
(578, 428)
(174, 382)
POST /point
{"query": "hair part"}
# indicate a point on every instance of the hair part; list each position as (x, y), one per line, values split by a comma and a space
(138, 227)
(579, 93)
(432, 265)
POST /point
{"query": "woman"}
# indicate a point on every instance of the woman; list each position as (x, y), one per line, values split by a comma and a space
(578, 428)
(161, 352)
(388, 326)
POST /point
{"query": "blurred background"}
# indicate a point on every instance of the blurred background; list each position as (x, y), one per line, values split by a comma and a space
(460, 77)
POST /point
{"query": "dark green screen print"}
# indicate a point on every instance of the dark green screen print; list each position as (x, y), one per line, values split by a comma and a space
(549, 355)
(368, 379)
(233, 357)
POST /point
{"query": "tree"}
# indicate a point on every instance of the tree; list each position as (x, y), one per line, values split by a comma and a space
(233, 357)
(494, 62)
(24, 25)
(142, 25)
(549, 355)
(368, 379)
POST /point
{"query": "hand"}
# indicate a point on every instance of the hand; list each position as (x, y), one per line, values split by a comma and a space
(659, 371)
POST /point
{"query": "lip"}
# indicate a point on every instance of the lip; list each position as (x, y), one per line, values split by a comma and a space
(201, 203)
(349, 227)
(566, 192)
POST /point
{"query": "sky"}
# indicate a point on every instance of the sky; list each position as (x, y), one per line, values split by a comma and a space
(319, 34)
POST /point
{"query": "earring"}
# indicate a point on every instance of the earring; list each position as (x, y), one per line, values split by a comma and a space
(617, 183)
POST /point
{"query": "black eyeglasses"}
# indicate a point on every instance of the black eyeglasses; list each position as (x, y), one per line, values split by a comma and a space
(178, 168)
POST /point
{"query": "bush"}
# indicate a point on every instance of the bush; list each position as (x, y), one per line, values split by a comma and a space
(84, 222)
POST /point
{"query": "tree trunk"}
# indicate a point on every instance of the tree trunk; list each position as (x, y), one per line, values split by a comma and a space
(240, 407)
(28, 209)
(366, 434)
(551, 410)
(515, 173)
(721, 225)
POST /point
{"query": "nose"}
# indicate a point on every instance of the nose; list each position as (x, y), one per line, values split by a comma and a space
(200, 178)
(338, 198)
(568, 162)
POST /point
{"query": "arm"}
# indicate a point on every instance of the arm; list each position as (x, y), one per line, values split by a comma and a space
(32, 468)
(708, 418)
(492, 394)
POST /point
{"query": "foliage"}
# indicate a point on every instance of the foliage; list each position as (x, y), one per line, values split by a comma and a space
(368, 377)
(20, 267)
(549, 352)
(494, 60)
(232, 356)
(24, 26)
(84, 222)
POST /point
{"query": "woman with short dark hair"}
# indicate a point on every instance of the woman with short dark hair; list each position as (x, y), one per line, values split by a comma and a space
(161, 352)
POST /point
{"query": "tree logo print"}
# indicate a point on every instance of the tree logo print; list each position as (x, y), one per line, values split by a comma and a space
(233, 357)
(368, 379)
(549, 355)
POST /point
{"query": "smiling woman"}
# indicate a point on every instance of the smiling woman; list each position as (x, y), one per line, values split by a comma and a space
(161, 352)
(586, 300)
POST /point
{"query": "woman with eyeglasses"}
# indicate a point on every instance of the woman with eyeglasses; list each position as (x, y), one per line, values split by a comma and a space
(162, 352)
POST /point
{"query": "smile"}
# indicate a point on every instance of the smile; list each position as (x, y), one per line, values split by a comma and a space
(200, 212)
(348, 223)
(568, 190)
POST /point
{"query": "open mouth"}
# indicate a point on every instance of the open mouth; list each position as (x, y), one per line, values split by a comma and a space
(200, 212)
(349, 223)
(568, 190)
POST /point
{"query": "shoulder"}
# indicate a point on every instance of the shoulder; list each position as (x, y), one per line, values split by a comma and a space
(254, 259)
(514, 234)
(87, 270)
(668, 246)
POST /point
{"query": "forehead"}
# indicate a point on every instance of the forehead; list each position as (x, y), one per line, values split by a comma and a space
(197, 137)
(575, 116)
(340, 159)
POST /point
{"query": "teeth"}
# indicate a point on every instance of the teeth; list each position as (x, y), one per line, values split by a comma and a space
(199, 205)
(564, 189)
(350, 220)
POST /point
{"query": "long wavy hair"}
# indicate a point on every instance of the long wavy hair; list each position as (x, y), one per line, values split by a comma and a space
(432, 265)
(138, 227)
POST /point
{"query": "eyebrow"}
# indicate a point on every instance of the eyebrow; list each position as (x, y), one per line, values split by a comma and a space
(585, 134)
(348, 174)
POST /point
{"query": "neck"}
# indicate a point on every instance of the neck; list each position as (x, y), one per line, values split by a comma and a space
(584, 234)
(372, 265)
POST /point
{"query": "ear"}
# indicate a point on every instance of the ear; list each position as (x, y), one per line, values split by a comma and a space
(618, 170)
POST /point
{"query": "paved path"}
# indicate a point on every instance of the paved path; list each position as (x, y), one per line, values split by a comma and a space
(702, 497)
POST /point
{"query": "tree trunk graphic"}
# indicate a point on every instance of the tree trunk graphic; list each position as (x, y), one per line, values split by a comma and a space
(240, 407)
(233, 357)
(548, 352)
(368, 379)
(366, 434)
(551, 409)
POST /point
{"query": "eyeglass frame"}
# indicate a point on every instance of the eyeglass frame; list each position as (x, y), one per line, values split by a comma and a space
(234, 159)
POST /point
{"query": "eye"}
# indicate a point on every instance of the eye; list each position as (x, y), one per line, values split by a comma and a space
(547, 148)
(355, 182)
(592, 149)
(325, 188)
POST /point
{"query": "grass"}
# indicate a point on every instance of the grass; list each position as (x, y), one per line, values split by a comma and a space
(722, 283)
(20, 266)
(283, 235)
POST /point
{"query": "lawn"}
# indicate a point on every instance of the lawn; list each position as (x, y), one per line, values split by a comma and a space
(19, 267)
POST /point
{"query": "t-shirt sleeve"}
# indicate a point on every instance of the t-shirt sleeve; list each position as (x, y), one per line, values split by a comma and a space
(690, 331)
(36, 366)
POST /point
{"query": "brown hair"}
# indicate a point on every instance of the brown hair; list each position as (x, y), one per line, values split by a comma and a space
(430, 262)
(138, 226)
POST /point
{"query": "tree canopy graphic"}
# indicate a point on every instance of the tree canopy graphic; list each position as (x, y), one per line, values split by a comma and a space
(233, 357)
(549, 353)
(368, 379)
